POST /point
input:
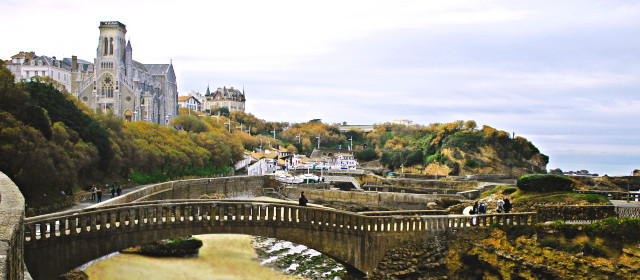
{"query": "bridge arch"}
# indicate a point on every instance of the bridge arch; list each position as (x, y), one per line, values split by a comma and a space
(73, 238)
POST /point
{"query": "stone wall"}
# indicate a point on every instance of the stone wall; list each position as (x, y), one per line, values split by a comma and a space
(405, 201)
(455, 185)
(232, 187)
(11, 230)
(575, 213)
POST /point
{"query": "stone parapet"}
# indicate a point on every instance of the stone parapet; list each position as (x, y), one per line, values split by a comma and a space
(587, 213)
(405, 201)
(11, 230)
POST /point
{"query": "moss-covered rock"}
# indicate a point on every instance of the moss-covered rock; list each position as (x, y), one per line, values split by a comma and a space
(168, 248)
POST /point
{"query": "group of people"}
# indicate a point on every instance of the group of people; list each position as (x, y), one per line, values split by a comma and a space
(96, 193)
(503, 206)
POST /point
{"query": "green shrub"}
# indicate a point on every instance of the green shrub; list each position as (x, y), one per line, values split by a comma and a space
(366, 155)
(544, 183)
(471, 163)
(552, 243)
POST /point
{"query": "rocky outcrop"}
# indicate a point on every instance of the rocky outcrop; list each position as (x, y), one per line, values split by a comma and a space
(514, 253)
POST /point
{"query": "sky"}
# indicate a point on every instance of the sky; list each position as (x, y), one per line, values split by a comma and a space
(563, 74)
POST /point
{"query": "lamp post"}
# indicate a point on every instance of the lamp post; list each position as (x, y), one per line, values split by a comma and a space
(351, 146)
(318, 137)
(274, 133)
(629, 187)
(260, 144)
(229, 124)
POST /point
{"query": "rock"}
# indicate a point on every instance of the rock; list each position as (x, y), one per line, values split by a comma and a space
(74, 275)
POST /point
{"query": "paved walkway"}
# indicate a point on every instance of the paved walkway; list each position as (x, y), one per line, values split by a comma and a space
(105, 196)
(625, 204)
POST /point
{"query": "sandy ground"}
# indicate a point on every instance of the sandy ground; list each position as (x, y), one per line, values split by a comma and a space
(223, 256)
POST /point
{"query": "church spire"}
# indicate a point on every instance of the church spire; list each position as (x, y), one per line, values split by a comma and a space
(208, 92)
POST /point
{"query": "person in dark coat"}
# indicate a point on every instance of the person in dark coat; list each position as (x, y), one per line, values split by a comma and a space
(475, 208)
(113, 192)
(482, 209)
(99, 193)
(507, 205)
(119, 191)
(303, 200)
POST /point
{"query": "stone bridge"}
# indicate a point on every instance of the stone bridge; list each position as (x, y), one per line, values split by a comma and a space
(59, 242)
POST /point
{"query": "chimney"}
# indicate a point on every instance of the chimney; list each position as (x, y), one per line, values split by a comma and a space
(74, 63)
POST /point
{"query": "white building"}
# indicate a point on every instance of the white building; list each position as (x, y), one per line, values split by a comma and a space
(26, 66)
(189, 102)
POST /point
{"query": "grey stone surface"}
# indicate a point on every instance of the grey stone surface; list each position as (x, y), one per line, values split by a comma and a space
(11, 234)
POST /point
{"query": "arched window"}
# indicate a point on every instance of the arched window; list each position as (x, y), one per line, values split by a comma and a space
(107, 87)
(106, 45)
(111, 46)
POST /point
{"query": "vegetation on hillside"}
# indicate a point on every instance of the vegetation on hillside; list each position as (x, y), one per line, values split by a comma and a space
(51, 144)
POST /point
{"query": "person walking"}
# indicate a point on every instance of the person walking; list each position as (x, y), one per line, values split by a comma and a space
(93, 192)
(113, 191)
(303, 200)
(507, 205)
(475, 208)
(99, 193)
(482, 209)
(500, 205)
(119, 191)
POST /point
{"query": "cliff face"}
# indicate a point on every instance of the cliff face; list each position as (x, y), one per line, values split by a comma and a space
(516, 253)
(486, 160)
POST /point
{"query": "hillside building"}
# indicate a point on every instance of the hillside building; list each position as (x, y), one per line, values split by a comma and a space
(232, 99)
(190, 102)
(27, 65)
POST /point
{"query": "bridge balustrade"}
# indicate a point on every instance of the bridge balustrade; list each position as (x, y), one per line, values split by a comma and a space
(146, 215)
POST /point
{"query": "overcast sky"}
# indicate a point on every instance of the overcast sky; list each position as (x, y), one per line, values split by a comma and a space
(563, 74)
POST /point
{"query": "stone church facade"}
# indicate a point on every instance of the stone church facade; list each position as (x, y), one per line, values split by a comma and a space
(128, 88)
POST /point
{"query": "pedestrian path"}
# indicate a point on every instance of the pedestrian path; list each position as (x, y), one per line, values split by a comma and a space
(105, 196)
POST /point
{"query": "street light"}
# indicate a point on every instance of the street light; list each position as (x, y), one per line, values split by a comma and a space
(228, 123)
(629, 187)
(274, 133)
(318, 137)
(351, 146)
(260, 144)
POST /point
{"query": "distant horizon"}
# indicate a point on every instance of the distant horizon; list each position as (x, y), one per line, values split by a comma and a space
(564, 75)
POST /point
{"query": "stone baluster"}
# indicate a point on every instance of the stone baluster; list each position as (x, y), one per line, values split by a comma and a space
(132, 217)
(30, 232)
(73, 222)
(246, 213)
(122, 215)
(103, 221)
(179, 211)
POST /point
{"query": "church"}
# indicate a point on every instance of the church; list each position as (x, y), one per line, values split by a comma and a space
(128, 88)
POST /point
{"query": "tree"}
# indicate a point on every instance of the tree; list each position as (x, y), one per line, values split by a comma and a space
(189, 123)
(292, 149)
(470, 124)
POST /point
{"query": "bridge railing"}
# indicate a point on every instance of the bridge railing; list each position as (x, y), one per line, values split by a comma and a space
(153, 215)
